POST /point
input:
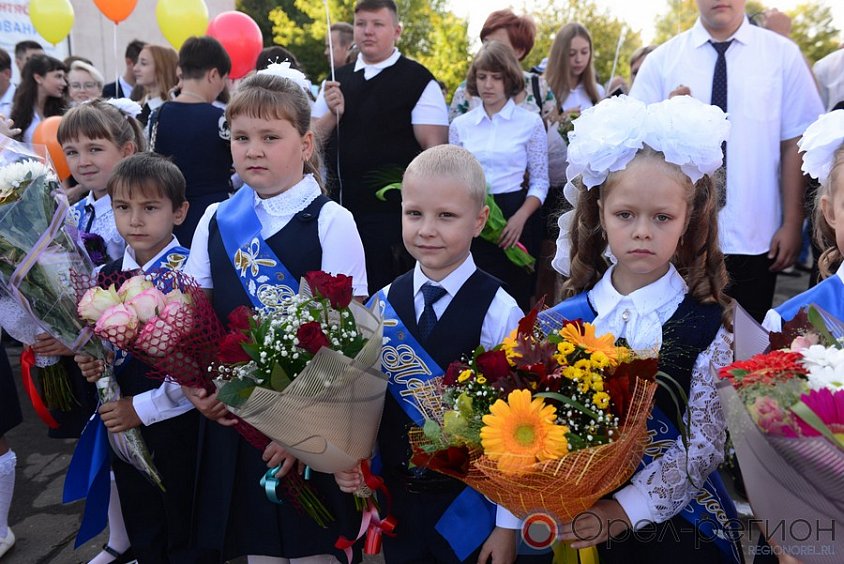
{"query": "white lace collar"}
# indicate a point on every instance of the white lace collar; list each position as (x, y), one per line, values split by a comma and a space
(292, 200)
(101, 206)
(638, 316)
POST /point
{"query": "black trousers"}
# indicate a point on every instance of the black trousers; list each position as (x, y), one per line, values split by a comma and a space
(386, 257)
(752, 283)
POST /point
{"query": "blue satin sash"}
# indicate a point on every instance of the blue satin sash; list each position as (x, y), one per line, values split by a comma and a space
(829, 295)
(712, 510)
(470, 518)
(264, 277)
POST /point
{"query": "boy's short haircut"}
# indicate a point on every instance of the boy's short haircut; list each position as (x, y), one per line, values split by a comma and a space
(496, 57)
(375, 5)
(453, 162)
(199, 55)
(133, 50)
(23, 46)
(148, 174)
(345, 31)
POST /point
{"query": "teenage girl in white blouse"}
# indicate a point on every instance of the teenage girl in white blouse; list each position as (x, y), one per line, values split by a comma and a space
(510, 143)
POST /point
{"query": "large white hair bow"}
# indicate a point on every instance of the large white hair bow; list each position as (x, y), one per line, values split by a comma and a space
(819, 143)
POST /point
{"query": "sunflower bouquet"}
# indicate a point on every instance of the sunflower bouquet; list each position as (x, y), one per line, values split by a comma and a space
(544, 421)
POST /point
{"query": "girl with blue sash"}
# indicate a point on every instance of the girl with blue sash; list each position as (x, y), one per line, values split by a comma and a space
(648, 194)
(823, 145)
(252, 250)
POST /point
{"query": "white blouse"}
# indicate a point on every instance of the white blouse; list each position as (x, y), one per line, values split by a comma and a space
(104, 224)
(509, 143)
(342, 249)
(664, 487)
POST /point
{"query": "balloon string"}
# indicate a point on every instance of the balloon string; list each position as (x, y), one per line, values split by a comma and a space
(337, 124)
(116, 66)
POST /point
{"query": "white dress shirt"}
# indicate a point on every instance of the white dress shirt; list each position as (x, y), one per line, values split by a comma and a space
(579, 98)
(30, 131)
(6, 101)
(501, 318)
(664, 487)
(829, 72)
(773, 320)
(771, 97)
(430, 109)
(167, 400)
(342, 249)
(104, 225)
(507, 144)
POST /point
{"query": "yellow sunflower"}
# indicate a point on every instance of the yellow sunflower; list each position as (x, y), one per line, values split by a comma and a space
(521, 431)
(465, 375)
(590, 342)
(601, 400)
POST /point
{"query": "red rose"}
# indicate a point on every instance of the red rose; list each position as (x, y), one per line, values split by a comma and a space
(453, 371)
(336, 289)
(231, 348)
(239, 318)
(311, 338)
(453, 461)
(493, 365)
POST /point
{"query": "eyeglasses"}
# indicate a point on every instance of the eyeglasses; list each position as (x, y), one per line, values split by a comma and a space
(84, 85)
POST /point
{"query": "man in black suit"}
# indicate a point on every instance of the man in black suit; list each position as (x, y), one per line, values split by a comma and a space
(123, 87)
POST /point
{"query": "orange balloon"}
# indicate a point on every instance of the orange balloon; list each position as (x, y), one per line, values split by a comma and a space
(46, 133)
(116, 10)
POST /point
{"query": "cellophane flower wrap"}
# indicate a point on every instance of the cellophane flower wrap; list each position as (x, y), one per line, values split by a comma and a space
(307, 373)
(548, 420)
(785, 412)
(37, 259)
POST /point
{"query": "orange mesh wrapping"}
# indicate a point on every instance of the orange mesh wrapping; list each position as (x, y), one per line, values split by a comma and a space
(564, 487)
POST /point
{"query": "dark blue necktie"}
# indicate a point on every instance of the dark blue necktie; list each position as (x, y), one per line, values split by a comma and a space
(719, 98)
(89, 209)
(428, 318)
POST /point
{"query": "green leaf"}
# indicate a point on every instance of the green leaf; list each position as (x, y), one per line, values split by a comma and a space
(279, 379)
(568, 401)
(432, 430)
(236, 392)
(811, 418)
(253, 350)
(818, 323)
(382, 193)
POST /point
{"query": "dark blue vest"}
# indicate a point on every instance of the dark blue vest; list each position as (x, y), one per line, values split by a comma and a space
(296, 245)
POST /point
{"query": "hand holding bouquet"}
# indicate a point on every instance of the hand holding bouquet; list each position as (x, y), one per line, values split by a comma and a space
(542, 421)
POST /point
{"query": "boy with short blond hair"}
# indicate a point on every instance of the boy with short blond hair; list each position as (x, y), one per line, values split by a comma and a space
(442, 309)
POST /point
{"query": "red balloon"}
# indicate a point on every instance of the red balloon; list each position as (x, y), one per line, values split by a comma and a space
(116, 10)
(241, 37)
(47, 133)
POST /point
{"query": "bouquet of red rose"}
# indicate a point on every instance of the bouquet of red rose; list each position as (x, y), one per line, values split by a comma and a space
(785, 412)
(307, 374)
(550, 421)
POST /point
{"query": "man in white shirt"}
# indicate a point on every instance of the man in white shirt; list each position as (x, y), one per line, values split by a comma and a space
(770, 98)
(829, 72)
(389, 109)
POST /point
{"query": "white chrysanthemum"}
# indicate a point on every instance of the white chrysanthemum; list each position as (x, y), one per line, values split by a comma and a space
(14, 174)
(825, 366)
(819, 142)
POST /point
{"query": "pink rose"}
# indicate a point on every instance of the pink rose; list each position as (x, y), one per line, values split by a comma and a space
(803, 342)
(179, 315)
(133, 287)
(147, 304)
(771, 418)
(156, 338)
(118, 324)
(177, 296)
(95, 301)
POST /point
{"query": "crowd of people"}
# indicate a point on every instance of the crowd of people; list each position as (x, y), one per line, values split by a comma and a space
(173, 155)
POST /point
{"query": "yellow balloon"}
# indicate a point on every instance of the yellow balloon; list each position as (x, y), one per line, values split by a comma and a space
(52, 18)
(180, 19)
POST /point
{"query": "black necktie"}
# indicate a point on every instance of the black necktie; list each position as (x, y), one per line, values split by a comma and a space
(89, 209)
(428, 318)
(719, 98)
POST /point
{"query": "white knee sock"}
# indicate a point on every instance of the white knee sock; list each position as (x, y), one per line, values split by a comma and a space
(7, 488)
(118, 539)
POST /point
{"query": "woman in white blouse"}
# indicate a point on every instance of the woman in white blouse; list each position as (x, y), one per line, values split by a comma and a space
(509, 142)
(571, 71)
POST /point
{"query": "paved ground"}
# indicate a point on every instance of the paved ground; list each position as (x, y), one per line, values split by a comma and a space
(45, 527)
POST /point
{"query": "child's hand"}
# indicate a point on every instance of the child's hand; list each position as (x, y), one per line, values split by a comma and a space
(120, 415)
(512, 232)
(500, 547)
(334, 98)
(47, 345)
(604, 520)
(209, 405)
(275, 455)
(349, 480)
(91, 368)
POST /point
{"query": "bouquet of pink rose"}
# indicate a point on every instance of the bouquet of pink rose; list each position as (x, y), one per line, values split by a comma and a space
(785, 412)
